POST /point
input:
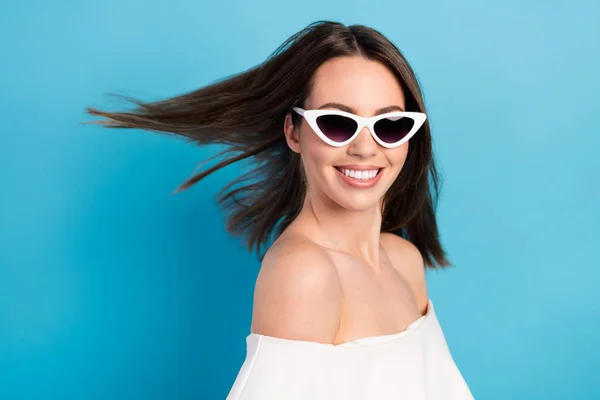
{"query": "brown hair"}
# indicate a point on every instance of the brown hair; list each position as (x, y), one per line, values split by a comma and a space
(245, 112)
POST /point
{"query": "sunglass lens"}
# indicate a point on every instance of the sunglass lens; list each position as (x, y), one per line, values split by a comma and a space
(392, 130)
(336, 127)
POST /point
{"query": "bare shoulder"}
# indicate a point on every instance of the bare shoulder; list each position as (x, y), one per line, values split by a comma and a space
(298, 293)
(408, 260)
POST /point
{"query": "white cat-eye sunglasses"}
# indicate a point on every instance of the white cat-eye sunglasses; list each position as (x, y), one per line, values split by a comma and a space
(338, 128)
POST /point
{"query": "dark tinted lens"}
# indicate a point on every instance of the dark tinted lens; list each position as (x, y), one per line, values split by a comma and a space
(337, 127)
(393, 130)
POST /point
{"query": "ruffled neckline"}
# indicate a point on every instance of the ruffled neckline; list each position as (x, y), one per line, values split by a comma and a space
(363, 341)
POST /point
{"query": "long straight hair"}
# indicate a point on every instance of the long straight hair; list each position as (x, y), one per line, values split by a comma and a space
(245, 113)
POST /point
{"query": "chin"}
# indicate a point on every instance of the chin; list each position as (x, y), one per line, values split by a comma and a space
(358, 204)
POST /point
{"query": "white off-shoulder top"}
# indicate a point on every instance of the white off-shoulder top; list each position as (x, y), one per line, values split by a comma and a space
(414, 364)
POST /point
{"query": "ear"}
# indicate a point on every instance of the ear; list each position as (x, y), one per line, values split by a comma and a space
(291, 133)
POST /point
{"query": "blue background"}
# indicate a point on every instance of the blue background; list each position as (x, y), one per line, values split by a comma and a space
(110, 288)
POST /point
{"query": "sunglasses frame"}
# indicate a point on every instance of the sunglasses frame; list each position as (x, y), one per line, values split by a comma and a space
(312, 115)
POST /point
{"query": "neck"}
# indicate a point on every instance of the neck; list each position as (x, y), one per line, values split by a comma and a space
(356, 232)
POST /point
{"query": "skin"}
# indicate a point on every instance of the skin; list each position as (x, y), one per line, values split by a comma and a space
(332, 276)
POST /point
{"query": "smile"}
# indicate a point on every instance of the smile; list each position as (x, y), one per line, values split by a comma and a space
(359, 179)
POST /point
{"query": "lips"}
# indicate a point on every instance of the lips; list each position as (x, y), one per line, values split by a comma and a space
(357, 167)
(360, 183)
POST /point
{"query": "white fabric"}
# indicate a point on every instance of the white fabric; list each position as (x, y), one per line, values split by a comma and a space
(413, 364)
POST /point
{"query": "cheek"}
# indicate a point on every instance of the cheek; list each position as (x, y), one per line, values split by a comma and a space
(316, 165)
(315, 153)
(397, 157)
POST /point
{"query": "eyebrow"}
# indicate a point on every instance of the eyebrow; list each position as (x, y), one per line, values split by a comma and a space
(353, 111)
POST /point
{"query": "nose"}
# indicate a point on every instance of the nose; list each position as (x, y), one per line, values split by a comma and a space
(364, 145)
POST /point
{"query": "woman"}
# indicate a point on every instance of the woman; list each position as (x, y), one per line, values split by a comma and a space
(335, 122)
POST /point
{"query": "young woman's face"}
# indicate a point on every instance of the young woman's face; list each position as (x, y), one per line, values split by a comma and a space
(363, 87)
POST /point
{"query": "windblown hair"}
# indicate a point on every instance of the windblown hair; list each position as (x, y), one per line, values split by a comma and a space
(245, 113)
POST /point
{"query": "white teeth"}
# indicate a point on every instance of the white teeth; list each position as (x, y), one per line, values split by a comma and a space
(360, 175)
